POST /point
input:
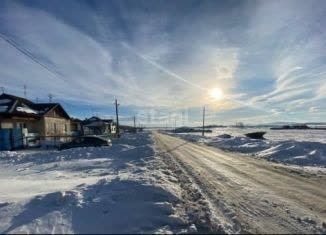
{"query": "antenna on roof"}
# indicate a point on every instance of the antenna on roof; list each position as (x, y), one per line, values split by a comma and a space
(25, 93)
(36, 99)
(50, 98)
(2, 89)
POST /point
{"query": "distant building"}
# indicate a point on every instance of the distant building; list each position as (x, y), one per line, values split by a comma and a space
(45, 119)
(98, 126)
(76, 127)
(239, 124)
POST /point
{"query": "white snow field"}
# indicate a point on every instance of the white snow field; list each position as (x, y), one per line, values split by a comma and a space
(311, 135)
(166, 186)
(302, 153)
(126, 188)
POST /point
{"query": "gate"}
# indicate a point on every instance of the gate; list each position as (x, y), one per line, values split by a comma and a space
(11, 139)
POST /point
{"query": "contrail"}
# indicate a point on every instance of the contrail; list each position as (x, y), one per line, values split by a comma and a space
(161, 68)
(176, 76)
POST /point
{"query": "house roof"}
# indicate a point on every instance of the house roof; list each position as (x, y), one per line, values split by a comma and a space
(75, 119)
(11, 105)
(44, 108)
(96, 121)
(13, 97)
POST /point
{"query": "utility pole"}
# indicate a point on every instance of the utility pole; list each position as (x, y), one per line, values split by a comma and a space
(175, 124)
(203, 133)
(117, 117)
(25, 92)
(50, 98)
(135, 122)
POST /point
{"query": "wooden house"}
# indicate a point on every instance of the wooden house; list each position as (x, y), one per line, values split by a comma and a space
(45, 119)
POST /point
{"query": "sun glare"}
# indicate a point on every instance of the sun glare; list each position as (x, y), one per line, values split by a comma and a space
(216, 93)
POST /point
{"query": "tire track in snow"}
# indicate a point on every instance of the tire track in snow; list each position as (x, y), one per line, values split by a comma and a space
(239, 186)
(198, 207)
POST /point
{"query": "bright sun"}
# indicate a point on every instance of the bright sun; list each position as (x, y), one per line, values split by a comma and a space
(216, 93)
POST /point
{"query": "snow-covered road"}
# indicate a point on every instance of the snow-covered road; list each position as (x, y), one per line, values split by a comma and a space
(252, 195)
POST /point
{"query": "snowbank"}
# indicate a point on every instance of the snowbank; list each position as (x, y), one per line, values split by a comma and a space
(125, 188)
(301, 153)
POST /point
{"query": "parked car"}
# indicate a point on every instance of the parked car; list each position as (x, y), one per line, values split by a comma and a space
(86, 141)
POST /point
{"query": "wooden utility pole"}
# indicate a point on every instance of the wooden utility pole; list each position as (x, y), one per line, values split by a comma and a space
(50, 98)
(117, 117)
(25, 91)
(175, 124)
(135, 122)
(203, 133)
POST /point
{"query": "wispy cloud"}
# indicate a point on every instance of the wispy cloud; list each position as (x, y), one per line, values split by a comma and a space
(161, 59)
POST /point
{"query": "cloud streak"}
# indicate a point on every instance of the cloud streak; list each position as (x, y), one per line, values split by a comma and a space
(162, 58)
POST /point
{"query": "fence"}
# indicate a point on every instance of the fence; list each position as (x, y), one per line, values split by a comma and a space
(11, 139)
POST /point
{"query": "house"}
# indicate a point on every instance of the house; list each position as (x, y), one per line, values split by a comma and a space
(44, 119)
(75, 126)
(98, 126)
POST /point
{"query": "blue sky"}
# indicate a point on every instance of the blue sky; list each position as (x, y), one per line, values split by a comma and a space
(161, 59)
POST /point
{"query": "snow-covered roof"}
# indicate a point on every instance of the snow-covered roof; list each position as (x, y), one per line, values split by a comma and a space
(5, 101)
(14, 105)
(3, 108)
(26, 110)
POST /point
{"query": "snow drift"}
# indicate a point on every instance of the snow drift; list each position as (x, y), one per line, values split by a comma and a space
(125, 188)
(304, 153)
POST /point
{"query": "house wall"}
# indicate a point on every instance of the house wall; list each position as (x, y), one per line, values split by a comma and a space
(75, 126)
(104, 129)
(56, 126)
(31, 125)
(54, 113)
(7, 124)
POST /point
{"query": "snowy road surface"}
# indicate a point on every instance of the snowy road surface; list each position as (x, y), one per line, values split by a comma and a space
(251, 195)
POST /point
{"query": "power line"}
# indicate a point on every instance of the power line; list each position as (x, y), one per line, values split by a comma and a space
(29, 55)
(25, 92)
(117, 117)
(203, 133)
